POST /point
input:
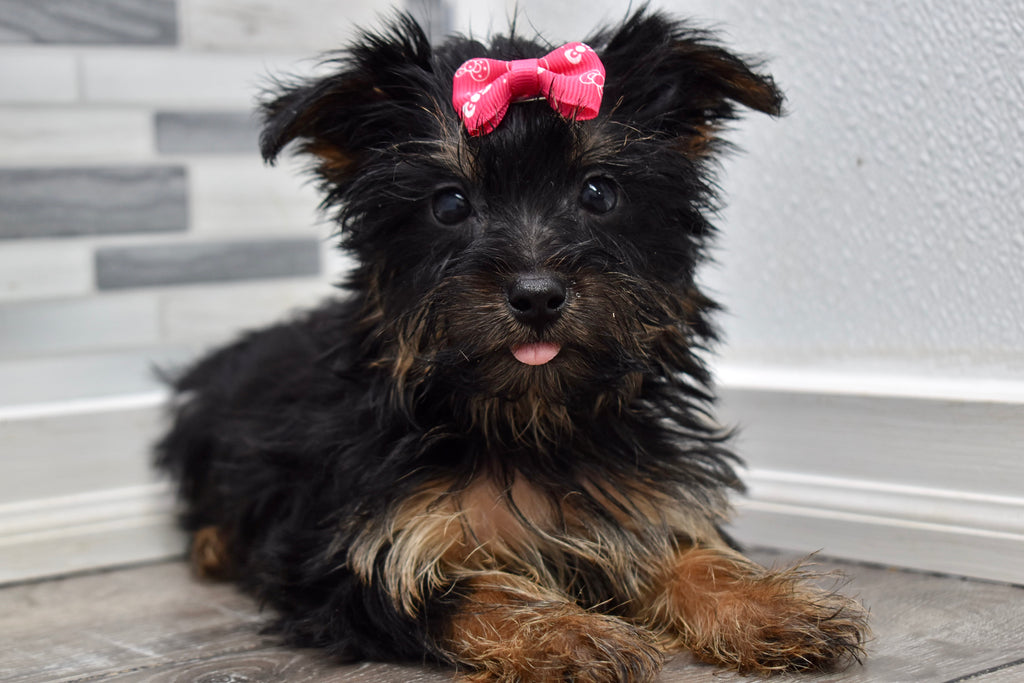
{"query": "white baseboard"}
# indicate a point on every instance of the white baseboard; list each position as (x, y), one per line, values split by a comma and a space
(61, 535)
(929, 477)
(946, 531)
(912, 472)
(76, 488)
(891, 385)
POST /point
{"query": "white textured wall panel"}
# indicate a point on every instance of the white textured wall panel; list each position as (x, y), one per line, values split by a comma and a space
(882, 222)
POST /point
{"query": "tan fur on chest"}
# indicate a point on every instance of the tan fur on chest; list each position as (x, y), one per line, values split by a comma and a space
(443, 533)
(496, 517)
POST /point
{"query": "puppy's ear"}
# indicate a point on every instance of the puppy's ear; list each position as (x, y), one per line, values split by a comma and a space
(667, 78)
(370, 100)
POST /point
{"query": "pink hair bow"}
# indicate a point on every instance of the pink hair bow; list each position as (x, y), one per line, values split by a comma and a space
(571, 78)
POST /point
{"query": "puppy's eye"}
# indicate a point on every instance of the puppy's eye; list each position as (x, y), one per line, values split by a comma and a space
(599, 195)
(451, 206)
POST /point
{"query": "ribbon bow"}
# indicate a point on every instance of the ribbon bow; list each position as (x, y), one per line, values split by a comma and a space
(571, 78)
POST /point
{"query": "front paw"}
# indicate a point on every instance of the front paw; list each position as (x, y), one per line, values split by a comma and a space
(731, 612)
(559, 643)
(806, 629)
(737, 614)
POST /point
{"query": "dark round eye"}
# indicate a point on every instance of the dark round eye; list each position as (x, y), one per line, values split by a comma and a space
(451, 206)
(598, 195)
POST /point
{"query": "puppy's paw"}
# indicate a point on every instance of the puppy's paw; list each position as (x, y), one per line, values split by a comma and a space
(808, 629)
(559, 643)
(210, 554)
(731, 612)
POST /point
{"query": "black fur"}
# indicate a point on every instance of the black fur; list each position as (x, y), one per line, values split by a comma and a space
(296, 439)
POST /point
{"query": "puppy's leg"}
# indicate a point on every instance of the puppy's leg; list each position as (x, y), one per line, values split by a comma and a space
(507, 629)
(210, 556)
(729, 611)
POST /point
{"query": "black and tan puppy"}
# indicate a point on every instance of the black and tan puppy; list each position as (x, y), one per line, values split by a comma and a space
(497, 450)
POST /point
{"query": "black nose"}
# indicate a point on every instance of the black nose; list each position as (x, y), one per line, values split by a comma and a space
(536, 300)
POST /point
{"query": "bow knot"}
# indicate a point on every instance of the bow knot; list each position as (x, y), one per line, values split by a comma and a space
(571, 78)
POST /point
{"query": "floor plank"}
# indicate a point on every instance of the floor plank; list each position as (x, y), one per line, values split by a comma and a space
(155, 624)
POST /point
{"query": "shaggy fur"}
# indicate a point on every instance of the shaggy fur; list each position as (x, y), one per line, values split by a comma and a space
(387, 476)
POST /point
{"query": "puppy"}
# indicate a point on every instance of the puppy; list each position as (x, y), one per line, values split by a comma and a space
(497, 450)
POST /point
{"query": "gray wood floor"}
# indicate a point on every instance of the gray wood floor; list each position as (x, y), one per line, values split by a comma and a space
(154, 623)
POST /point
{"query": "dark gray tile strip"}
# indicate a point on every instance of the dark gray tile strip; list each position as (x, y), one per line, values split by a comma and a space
(206, 133)
(62, 202)
(179, 264)
(89, 22)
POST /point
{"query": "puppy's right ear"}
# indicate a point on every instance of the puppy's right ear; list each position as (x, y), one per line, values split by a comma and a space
(670, 79)
(369, 101)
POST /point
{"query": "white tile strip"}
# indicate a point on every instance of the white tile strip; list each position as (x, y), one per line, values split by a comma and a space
(198, 313)
(310, 26)
(243, 197)
(30, 135)
(38, 270)
(39, 328)
(30, 77)
(169, 78)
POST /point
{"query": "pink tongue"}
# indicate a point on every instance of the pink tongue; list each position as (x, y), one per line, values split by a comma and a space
(536, 354)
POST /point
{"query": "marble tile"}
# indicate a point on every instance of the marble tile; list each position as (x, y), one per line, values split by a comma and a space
(170, 78)
(49, 269)
(60, 202)
(74, 135)
(184, 263)
(104, 374)
(190, 314)
(40, 328)
(29, 77)
(240, 196)
(207, 132)
(307, 27)
(89, 22)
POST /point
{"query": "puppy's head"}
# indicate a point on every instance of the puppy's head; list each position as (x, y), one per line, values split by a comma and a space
(547, 266)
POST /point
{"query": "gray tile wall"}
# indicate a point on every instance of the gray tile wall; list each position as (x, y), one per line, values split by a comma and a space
(63, 202)
(89, 22)
(206, 132)
(186, 263)
(138, 224)
(136, 217)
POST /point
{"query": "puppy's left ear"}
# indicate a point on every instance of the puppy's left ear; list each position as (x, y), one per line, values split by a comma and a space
(665, 77)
